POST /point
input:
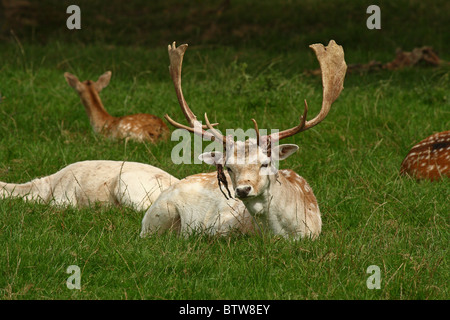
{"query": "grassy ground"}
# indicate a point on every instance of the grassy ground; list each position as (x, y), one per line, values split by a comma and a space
(371, 216)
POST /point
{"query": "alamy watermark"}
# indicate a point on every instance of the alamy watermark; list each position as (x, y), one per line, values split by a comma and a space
(74, 281)
(374, 20)
(74, 20)
(191, 148)
(374, 281)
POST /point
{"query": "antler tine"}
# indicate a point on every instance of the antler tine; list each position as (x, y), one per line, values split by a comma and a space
(217, 135)
(256, 130)
(292, 131)
(333, 67)
(182, 126)
(176, 60)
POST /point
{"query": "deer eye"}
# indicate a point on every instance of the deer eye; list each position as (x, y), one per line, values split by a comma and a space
(264, 165)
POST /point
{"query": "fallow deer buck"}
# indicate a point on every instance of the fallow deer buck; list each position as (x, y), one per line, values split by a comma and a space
(139, 127)
(429, 159)
(84, 183)
(280, 200)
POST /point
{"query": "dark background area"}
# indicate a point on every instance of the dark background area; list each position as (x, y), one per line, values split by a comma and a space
(270, 25)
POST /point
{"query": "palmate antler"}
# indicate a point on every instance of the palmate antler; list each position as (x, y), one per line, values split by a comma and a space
(176, 61)
(332, 65)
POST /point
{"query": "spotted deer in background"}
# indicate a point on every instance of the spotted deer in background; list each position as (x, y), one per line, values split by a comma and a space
(139, 127)
(280, 200)
(429, 159)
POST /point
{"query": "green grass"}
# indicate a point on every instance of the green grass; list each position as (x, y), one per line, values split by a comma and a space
(371, 216)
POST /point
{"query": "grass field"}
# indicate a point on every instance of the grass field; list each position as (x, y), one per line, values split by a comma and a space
(371, 215)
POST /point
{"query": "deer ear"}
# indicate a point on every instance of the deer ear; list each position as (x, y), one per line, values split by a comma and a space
(284, 150)
(71, 79)
(103, 81)
(211, 157)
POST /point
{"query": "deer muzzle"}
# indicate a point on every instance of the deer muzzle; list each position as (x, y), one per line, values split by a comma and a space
(243, 191)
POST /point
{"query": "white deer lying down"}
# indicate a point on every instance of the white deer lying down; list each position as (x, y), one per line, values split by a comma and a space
(280, 200)
(84, 183)
(186, 208)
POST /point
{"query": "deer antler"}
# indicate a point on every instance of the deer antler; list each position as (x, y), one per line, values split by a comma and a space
(333, 67)
(176, 61)
(256, 131)
(217, 135)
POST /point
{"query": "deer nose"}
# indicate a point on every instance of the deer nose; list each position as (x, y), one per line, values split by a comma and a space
(242, 192)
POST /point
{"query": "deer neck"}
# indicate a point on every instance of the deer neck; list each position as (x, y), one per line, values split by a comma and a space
(95, 110)
(268, 207)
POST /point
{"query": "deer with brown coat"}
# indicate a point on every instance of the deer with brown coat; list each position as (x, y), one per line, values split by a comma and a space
(139, 127)
(429, 159)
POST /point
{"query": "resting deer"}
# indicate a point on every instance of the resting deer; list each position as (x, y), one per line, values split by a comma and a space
(84, 183)
(429, 159)
(195, 204)
(281, 200)
(139, 127)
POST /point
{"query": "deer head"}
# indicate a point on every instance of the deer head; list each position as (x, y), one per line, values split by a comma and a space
(250, 163)
(81, 87)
